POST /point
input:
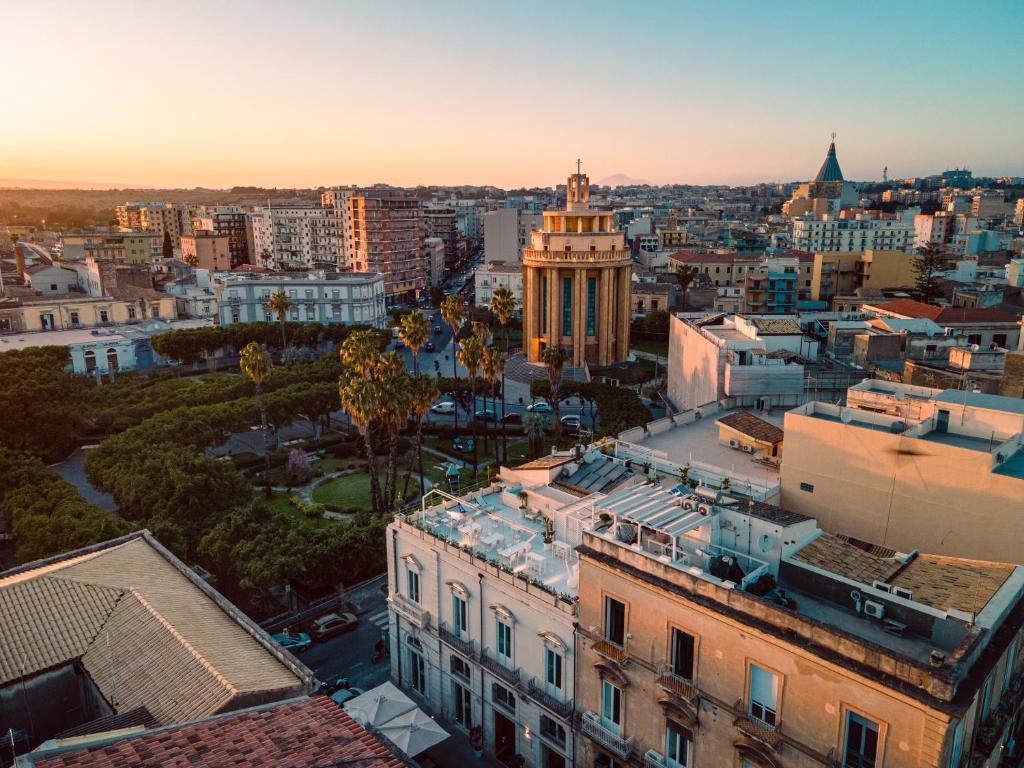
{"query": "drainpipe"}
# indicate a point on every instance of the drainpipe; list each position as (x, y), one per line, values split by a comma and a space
(480, 578)
(398, 619)
(575, 673)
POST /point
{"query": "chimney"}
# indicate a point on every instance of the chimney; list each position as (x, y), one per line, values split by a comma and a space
(19, 261)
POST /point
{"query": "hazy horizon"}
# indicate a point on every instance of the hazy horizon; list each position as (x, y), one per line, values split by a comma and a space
(320, 93)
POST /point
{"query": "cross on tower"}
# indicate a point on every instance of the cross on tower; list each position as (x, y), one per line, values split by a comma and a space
(833, 137)
(579, 163)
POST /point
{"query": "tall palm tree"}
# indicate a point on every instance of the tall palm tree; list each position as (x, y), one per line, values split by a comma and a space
(393, 411)
(422, 393)
(256, 364)
(503, 305)
(361, 396)
(414, 331)
(489, 362)
(453, 312)
(499, 367)
(279, 303)
(533, 425)
(555, 358)
(686, 274)
(471, 355)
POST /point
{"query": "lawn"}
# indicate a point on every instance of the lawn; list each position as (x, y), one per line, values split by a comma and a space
(651, 347)
(344, 492)
(280, 502)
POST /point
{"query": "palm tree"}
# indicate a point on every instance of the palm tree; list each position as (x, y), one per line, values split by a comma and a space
(393, 411)
(361, 397)
(490, 364)
(686, 274)
(471, 355)
(554, 358)
(414, 331)
(422, 393)
(279, 303)
(191, 260)
(503, 305)
(533, 425)
(256, 364)
(453, 312)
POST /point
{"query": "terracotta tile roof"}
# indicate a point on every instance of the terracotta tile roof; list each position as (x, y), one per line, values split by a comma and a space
(910, 308)
(948, 582)
(752, 426)
(691, 257)
(147, 631)
(953, 315)
(836, 554)
(304, 733)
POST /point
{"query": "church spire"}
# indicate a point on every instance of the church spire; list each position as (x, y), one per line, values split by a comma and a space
(830, 170)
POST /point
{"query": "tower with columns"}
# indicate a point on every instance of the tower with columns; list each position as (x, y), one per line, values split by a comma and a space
(577, 276)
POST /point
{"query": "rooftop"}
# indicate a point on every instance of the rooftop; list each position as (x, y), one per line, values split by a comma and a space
(830, 170)
(301, 733)
(769, 326)
(754, 427)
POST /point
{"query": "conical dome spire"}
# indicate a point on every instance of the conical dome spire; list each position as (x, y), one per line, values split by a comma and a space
(830, 170)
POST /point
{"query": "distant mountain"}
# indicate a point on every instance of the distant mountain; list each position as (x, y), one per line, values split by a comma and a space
(621, 180)
(45, 184)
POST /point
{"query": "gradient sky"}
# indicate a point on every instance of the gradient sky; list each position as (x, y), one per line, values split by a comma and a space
(480, 92)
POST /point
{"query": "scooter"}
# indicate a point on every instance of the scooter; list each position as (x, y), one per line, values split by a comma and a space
(334, 685)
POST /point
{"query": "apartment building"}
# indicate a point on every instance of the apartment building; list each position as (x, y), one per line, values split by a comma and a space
(983, 326)
(433, 247)
(229, 220)
(317, 297)
(442, 221)
(490, 276)
(141, 247)
(129, 305)
(828, 234)
(507, 233)
(730, 269)
(720, 631)
(386, 237)
(207, 250)
(841, 274)
(770, 288)
(1018, 213)
(174, 219)
(907, 466)
(991, 206)
(482, 590)
(299, 236)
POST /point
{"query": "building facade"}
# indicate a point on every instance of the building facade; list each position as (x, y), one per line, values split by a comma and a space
(316, 298)
(827, 234)
(141, 247)
(299, 236)
(491, 276)
(61, 314)
(841, 274)
(207, 250)
(507, 233)
(577, 275)
(387, 238)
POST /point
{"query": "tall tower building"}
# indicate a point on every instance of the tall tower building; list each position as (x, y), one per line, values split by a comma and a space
(577, 275)
(386, 231)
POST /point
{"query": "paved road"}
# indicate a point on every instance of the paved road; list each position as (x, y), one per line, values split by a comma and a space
(72, 469)
(351, 655)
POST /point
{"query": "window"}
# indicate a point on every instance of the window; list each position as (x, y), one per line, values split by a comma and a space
(553, 668)
(807, 487)
(764, 692)
(611, 706)
(460, 668)
(544, 305)
(682, 654)
(504, 633)
(552, 730)
(861, 749)
(74, 317)
(104, 317)
(503, 696)
(677, 745)
(235, 316)
(463, 705)
(567, 306)
(413, 583)
(957, 745)
(592, 305)
(294, 313)
(154, 310)
(459, 615)
(974, 338)
(999, 339)
(614, 621)
(417, 672)
(1011, 662)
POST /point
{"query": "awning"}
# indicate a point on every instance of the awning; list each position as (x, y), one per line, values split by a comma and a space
(413, 732)
(379, 705)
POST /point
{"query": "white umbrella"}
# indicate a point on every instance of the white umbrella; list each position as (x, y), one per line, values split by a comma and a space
(413, 732)
(378, 705)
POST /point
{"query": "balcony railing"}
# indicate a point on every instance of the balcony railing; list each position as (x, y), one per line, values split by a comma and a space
(498, 669)
(610, 651)
(654, 759)
(759, 730)
(455, 640)
(592, 727)
(536, 691)
(670, 681)
(416, 615)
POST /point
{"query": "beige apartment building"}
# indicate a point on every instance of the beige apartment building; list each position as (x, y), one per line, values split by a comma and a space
(387, 237)
(841, 274)
(908, 466)
(207, 250)
(118, 246)
(717, 631)
(61, 314)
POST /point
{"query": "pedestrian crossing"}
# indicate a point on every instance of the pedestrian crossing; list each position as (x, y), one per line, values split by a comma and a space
(379, 619)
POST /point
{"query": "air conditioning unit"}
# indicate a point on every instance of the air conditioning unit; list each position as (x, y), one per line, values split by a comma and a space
(734, 443)
(687, 505)
(747, 449)
(882, 586)
(873, 609)
(903, 592)
(704, 509)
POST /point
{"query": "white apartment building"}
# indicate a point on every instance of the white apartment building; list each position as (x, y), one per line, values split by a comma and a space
(483, 610)
(507, 232)
(317, 297)
(1018, 213)
(489, 277)
(829, 235)
(301, 235)
(434, 246)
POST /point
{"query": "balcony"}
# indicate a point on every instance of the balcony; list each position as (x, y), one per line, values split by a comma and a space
(610, 651)
(455, 640)
(593, 728)
(654, 759)
(759, 730)
(413, 613)
(499, 669)
(536, 691)
(672, 682)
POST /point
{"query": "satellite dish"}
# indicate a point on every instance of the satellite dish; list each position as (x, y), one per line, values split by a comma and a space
(975, 347)
(766, 542)
(845, 416)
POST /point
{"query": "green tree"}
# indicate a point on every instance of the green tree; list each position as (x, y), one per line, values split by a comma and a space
(168, 247)
(533, 425)
(471, 356)
(422, 393)
(686, 274)
(279, 304)
(255, 364)
(554, 359)
(393, 412)
(503, 305)
(491, 364)
(414, 331)
(927, 265)
(436, 296)
(453, 312)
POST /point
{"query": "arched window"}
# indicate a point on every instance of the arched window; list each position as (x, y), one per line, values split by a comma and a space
(90, 361)
(112, 359)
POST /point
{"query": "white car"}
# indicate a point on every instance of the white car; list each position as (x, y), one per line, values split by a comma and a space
(446, 407)
(345, 695)
(541, 406)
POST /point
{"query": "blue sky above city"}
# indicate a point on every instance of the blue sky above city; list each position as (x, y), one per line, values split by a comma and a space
(314, 93)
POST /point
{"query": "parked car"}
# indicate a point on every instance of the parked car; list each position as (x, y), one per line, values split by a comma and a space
(334, 624)
(513, 418)
(444, 407)
(463, 444)
(437, 330)
(540, 406)
(345, 695)
(485, 414)
(296, 642)
(429, 347)
(399, 344)
(571, 424)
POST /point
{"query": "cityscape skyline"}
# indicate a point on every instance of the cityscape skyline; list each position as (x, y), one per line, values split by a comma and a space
(728, 96)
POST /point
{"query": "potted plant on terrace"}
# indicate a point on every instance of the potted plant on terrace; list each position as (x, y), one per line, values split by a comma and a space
(549, 532)
(476, 741)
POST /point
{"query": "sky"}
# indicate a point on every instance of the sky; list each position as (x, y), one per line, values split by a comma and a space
(309, 93)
